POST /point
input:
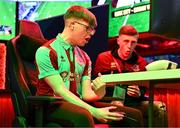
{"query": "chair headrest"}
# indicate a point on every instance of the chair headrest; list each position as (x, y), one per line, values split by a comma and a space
(27, 47)
(31, 29)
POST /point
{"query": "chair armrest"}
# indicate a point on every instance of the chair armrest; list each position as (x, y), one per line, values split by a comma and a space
(38, 100)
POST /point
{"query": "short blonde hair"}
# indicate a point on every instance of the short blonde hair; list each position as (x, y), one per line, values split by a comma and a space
(80, 12)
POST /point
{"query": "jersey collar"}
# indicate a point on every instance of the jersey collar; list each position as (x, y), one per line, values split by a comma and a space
(66, 45)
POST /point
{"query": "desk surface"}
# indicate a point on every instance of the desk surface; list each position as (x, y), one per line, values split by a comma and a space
(152, 79)
(164, 77)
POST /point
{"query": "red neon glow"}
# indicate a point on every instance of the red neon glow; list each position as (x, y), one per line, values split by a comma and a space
(2, 66)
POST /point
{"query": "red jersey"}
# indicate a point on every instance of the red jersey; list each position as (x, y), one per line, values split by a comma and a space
(107, 62)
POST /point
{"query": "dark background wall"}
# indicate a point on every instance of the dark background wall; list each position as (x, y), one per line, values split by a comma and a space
(165, 17)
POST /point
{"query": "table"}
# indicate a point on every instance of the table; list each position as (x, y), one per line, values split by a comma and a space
(152, 79)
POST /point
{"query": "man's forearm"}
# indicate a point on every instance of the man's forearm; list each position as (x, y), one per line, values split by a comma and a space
(59, 88)
(70, 97)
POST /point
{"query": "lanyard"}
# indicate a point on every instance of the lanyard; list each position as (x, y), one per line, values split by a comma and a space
(116, 63)
(72, 79)
(72, 63)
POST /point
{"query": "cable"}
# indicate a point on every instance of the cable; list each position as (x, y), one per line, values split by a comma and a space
(130, 118)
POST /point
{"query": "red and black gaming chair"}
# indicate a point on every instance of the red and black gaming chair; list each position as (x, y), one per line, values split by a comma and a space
(29, 109)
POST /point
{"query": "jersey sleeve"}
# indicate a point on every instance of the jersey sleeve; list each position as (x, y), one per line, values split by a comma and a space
(142, 63)
(103, 64)
(44, 64)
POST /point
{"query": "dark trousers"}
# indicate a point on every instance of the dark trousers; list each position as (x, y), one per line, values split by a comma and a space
(70, 115)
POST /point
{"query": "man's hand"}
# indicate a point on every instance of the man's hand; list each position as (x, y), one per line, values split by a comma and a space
(134, 91)
(98, 83)
(105, 114)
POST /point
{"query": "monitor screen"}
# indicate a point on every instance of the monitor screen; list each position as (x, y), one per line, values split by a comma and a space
(31, 10)
(42, 9)
(134, 12)
(7, 19)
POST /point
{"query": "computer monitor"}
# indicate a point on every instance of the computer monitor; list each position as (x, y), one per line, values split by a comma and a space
(7, 19)
(133, 12)
(31, 10)
(42, 9)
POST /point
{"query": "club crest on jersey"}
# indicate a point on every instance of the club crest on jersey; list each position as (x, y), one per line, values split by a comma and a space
(72, 77)
(64, 75)
(113, 65)
(135, 68)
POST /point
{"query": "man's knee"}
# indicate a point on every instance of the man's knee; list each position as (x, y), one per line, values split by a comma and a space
(159, 108)
(160, 105)
(159, 114)
(161, 119)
